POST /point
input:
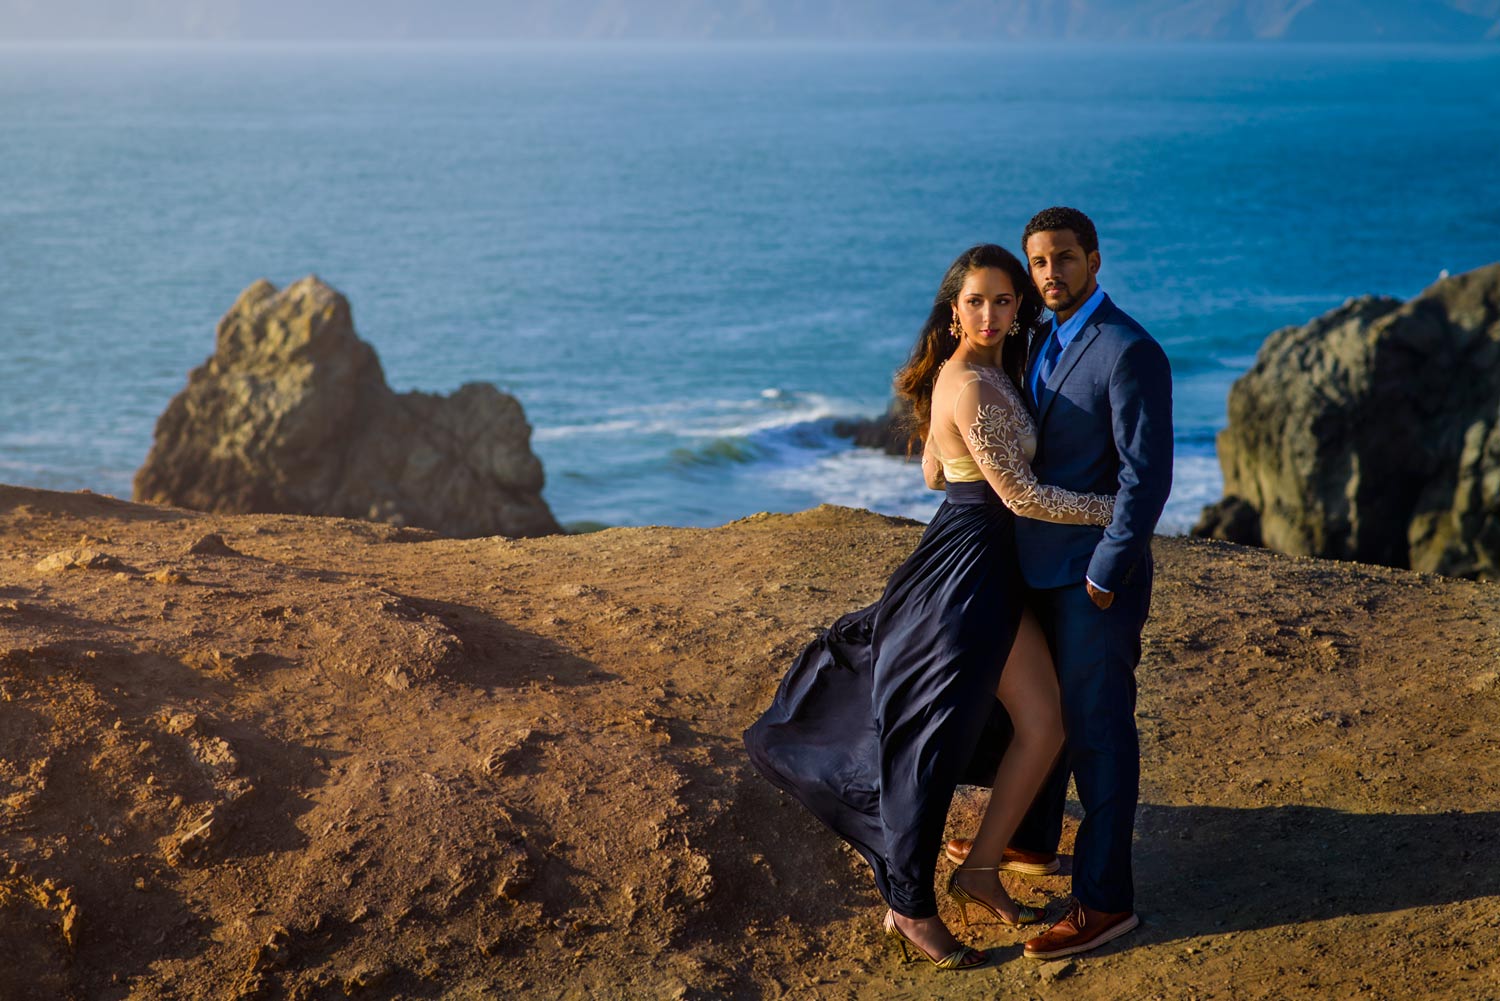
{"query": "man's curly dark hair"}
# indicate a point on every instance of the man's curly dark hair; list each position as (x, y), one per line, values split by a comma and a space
(1062, 217)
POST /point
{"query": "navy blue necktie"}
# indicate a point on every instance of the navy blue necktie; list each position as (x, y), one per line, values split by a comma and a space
(1044, 365)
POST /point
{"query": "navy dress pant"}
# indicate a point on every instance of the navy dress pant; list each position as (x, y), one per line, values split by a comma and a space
(1096, 652)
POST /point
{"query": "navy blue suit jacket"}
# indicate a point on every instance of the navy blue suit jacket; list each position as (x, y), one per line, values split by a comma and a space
(1104, 425)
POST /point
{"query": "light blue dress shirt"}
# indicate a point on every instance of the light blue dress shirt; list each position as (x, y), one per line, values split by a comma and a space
(1065, 334)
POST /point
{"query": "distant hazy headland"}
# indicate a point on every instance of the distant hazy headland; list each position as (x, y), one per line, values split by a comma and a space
(1392, 21)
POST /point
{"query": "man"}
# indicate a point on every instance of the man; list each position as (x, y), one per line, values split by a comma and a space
(1102, 395)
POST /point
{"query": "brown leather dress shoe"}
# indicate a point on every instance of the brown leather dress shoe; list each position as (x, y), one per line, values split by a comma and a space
(1013, 860)
(1082, 929)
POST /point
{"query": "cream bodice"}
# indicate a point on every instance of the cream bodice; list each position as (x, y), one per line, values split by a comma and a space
(998, 441)
(963, 468)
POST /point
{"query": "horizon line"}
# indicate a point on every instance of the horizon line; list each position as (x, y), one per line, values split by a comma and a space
(758, 41)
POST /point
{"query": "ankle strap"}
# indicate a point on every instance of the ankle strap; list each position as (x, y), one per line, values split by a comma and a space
(979, 868)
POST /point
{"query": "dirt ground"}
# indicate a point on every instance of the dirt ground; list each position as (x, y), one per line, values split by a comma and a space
(316, 758)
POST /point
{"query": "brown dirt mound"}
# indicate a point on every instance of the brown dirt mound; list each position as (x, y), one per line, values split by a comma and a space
(331, 759)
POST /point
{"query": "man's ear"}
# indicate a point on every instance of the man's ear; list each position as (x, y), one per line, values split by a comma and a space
(1094, 262)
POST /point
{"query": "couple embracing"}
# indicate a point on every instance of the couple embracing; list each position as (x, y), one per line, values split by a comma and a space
(1003, 650)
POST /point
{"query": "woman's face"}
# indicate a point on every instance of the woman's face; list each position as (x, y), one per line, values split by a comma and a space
(986, 307)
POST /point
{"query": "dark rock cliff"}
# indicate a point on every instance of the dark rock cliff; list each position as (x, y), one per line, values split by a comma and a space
(1373, 434)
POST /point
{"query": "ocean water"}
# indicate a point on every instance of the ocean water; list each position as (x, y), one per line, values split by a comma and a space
(687, 262)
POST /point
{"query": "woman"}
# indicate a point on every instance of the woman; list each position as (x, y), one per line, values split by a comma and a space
(879, 719)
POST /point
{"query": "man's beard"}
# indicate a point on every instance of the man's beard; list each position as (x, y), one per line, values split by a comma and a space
(1072, 302)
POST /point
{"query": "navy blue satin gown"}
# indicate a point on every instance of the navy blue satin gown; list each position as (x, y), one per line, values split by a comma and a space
(883, 715)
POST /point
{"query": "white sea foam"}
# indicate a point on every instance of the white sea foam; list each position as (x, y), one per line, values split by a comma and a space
(862, 477)
(859, 477)
(1196, 481)
(558, 432)
(770, 410)
(747, 419)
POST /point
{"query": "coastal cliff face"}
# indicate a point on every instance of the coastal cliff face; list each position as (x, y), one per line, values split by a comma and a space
(292, 414)
(1373, 434)
(270, 756)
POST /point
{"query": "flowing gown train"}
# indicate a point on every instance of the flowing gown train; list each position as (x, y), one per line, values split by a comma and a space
(881, 717)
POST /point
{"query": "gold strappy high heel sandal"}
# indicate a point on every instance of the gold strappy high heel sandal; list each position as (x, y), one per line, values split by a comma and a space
(962, 958)
(1024, 915)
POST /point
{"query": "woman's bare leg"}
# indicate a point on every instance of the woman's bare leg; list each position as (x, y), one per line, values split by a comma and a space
(1028, 690)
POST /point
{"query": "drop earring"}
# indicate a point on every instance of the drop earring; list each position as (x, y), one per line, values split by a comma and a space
(1015, 327)
(954, 330)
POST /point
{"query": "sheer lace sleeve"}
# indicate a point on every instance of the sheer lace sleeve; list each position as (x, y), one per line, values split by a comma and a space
(992, 420)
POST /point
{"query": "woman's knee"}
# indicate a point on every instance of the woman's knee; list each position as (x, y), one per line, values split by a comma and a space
(1038, 721)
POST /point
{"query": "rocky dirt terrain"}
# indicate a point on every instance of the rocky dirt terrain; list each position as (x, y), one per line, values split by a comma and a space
(255, 756)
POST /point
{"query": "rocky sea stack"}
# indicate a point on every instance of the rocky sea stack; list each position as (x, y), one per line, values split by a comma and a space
(1373, 434)
(890, 432)
(292, 414)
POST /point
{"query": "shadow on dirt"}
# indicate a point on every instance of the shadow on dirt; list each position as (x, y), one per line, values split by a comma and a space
(1204, 870)
(496, 653)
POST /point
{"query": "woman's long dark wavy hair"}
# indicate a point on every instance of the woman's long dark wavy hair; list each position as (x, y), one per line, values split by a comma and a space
(936, 345)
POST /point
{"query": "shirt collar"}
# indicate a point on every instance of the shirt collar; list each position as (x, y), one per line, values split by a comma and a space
(1069, 330)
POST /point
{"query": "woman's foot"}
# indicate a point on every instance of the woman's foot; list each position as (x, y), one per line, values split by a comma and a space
(984, 887)
(931, 937)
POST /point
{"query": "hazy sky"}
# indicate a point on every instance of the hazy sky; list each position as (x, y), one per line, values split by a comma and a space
(338, 20)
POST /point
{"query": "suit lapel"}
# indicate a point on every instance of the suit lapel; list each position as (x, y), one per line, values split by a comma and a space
(1069, 358)
(1038, 337)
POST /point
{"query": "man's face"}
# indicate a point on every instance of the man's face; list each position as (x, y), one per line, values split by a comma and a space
(1063, 272)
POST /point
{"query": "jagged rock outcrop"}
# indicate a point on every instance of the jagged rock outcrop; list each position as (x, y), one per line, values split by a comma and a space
(1373, 434)
(292, 414)
(889, 432)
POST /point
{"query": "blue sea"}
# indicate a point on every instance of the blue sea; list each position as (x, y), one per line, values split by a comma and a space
(688, 262)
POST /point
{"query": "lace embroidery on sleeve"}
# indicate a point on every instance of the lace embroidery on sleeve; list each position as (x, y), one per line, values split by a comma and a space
(994, 422)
